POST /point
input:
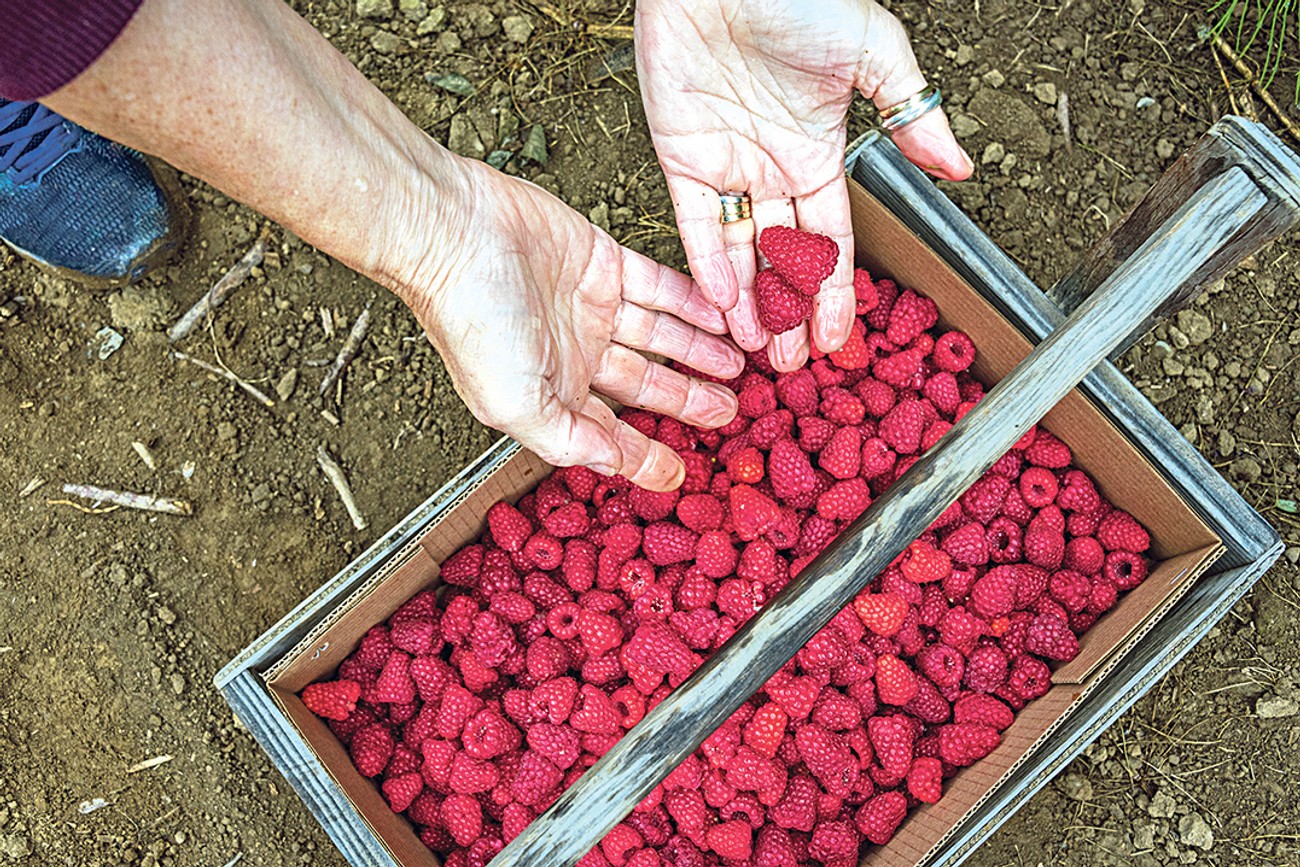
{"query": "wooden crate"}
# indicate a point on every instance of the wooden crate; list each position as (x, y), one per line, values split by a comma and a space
(1211, 544)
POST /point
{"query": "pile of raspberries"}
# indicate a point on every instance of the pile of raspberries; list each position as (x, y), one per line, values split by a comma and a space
(585, 604)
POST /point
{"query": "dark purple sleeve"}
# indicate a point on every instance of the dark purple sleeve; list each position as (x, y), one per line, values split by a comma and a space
(44, 44)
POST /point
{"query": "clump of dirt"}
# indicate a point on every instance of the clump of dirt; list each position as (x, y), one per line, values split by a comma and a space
(115, 623)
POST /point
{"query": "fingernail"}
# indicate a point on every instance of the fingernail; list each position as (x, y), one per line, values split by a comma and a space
(603, 469)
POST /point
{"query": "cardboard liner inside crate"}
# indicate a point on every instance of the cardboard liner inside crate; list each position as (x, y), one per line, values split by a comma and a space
(1182, 546)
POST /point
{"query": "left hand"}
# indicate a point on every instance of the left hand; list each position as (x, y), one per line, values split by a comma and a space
(752, 96)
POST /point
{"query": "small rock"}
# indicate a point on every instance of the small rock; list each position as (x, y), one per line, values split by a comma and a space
(1172, 366)
(387, 43)
(1196, 325)
(226, 431)
(433, 21)
(1144, 837)
(1227, 442)
(965, 126)
(965, 54)
(140, 308)
(178, 683)
(1194, 831)
(518, 28)
(1164, 148)
(993, 154)
(1045, 92)
(375, 8)
(166, 615)
(1162, 806)
(1076, 788)
(105, 342)
(14, 846)
(599, 216)
(1276, 707)
(448, 42)
(1292, 557)
(463, 138)
(1245, 469)
(993, 78)
(413, 10)
(284, 388)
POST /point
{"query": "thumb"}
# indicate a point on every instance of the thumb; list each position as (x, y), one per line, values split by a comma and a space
(889, 75)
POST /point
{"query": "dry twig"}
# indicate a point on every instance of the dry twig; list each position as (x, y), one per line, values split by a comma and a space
(1217, 41)
(221, 290)
(334, 473)
(257, 393)
(148, 763)
(123, 500)
(349, 350)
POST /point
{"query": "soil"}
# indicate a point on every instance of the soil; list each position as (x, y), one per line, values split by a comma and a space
(114, 624)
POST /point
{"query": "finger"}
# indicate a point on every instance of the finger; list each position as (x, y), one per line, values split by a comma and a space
(649, 284)
(665, 334)
(890, 76)
(789, 350)
(698, 211)
(634, 380)
(563, 437)
(644, 461)
(746, 330)
(826, 211)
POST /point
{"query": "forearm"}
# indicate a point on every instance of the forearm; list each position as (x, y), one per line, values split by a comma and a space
(246, 95)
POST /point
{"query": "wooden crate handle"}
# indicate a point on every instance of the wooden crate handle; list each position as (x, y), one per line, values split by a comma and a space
(1216, 216)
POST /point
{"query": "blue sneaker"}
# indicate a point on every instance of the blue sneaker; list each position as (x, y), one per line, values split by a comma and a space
(76, 203)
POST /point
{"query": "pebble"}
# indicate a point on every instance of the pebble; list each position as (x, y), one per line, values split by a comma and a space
(285, 387)
(965, 126)
(375, 8)
(994, 153)
(993, 78)
(1227, 443)
(1077, 788)
(433, 21)
(413, 10)
(1045, 92)
(463, 138)
(1162, 806)
(387, 43)
(1196, 325)
(1194, 831)
(1245, 469)
(965, 54)
(1164, 148)
(178, 683)
(1276, 707)
(518, 28)
(140, 308)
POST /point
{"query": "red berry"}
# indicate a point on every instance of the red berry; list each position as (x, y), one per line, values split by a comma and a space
(803, 259)
(880, 816)
(334, 700)
(925, 780)
(781, 307)
(963, 744)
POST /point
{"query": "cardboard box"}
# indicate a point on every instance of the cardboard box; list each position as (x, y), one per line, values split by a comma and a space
(312, 641)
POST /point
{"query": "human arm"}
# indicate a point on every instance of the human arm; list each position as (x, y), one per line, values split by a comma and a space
(752, 96)
(533, 310)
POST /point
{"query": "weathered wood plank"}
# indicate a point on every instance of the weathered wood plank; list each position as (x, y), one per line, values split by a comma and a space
(1231, 142)
(1132, 292)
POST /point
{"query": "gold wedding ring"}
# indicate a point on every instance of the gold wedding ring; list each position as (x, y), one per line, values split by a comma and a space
(735, 207)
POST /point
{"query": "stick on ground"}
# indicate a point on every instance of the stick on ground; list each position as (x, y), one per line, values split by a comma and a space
(221, 290)
(1240, 65)
(128, 500)
(257, 393)
(349, 350)
(334, 473)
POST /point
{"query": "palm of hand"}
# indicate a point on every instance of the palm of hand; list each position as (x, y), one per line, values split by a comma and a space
(539, 310)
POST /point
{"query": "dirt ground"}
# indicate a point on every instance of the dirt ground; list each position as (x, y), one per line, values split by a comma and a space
(112, 625)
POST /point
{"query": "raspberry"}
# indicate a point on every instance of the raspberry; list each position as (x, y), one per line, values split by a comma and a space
(771, 428)
(834, 842)
(700, 512)
(854, 354)
(1077, 493)
(922, 563)
(895, 681)
(1029, 678)
(752, 513)
(714, 554)
(837, 712)
(803, 259)
(535, 779)
(470, 776)
(732, 840)
(892, 738)
(660, 649)
(864, 292)
(797, 391)
(953, 352)
(463, 818)
(1125, 569)
(457, 707)
(1051, 638)
(559, 744)
(401, 790)
(1119, 531)
(395, 685)
(431, 676)
(545, 551)
(828, 757)
(781, 307)
(910, 315)
(696, 591)
(902, 370)
(880, 817)
(375, 648)
(751, 771)
(1084, 554)
(878, 458)
(491, 640)
(925, 780)
(1086, 523)
(334, 700)
(509, 527)
(1047, 451)
(983, 709)
(1042, 545)
(462, 568)
(1071, 589)
(789, 470)
(1038, 487)
(621, 840)
(963, 744)
(841, 406)
(756, 396)
(983, 500)
(994, 594)
(882, 613)
(567, 521)
(942, 664)
(842, 456)
(845, 500)
(1003, 539)
(760, 563)
(595, 713)
(371, 748)
(903, 426)
(666, 543)
(600, 633)
(796, 696)
(966, 544)
(986, 669)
